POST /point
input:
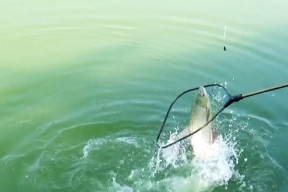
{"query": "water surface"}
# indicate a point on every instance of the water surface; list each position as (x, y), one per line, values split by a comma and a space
(85, 86)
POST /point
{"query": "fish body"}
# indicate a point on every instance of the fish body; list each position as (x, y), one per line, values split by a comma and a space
(201, 114)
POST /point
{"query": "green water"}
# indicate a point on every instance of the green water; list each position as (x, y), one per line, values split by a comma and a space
(85, 85)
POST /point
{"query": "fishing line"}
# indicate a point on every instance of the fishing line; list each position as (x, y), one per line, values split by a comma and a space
(231, 99)
(224, 36)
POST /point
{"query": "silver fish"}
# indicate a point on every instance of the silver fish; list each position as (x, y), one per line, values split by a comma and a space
(201, 114)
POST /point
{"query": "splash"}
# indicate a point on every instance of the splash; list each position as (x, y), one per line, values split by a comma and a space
(218, 166)
(97, 144)
(216, 169)
(119, 188)
(170, 154)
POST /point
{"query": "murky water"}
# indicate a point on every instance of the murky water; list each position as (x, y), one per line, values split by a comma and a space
(85, 85)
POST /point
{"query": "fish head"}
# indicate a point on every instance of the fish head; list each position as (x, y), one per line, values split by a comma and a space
(202, 99)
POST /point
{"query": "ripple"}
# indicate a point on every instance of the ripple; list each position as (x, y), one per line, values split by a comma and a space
(77, 74)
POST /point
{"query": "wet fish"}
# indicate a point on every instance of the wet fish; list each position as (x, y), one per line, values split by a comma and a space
(201, 114)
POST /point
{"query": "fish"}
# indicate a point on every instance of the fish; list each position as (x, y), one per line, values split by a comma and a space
(200, 114)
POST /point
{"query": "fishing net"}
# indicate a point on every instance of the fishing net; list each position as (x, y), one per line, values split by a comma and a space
(183, 108)
(177, 116)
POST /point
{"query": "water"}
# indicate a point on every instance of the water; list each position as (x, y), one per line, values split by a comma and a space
(85, 87)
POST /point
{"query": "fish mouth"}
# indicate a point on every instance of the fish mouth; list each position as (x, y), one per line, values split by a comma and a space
(202, 91)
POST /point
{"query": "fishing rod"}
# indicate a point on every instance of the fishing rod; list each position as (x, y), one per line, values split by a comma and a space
(231, 99)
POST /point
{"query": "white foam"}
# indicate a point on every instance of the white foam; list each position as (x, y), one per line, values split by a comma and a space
(97, 144)
(215, 169)
(183, 184)
(92, 144)
(170, 154)
(120, 188)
